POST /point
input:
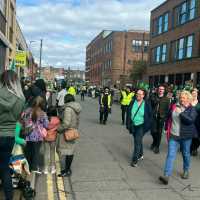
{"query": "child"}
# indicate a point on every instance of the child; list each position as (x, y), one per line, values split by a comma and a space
(50, 140)
(36, 137)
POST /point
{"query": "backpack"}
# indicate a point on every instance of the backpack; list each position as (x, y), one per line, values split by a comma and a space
(27, 122)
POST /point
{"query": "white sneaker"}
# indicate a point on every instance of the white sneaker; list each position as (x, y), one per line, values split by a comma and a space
(141, 158)
(37, 171)
(46, 171)
(53, 170)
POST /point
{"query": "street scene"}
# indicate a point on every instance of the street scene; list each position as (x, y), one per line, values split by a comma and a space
(99, 100)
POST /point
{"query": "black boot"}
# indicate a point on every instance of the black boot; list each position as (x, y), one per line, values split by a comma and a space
(68, 162)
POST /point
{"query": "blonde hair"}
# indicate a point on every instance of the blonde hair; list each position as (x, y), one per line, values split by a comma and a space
(186, 93)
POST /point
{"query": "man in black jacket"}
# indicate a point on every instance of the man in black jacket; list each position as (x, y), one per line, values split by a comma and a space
(160, 106)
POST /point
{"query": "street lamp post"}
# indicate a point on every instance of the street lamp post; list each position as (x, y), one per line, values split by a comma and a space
(40, 62)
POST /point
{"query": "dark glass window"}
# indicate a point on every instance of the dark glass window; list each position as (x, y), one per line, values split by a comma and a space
(171, 79)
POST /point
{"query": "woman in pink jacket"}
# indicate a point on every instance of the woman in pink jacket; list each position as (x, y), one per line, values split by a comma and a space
(50, 141)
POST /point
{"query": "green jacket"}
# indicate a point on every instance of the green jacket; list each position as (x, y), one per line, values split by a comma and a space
(11, 107)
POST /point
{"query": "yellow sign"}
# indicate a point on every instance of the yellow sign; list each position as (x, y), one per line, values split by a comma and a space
(20, 58)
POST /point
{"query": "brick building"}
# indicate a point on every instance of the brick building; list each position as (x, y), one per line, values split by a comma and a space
(175, 43)
(7, 32)
(110, 56)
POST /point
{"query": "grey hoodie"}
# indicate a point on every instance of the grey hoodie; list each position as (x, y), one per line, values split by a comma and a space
(11, 107)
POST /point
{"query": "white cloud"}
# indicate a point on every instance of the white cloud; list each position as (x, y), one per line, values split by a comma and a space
(67, 29)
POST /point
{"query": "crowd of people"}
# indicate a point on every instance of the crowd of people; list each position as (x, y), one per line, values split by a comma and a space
(41, 121)
(37, 120)
(160, 112)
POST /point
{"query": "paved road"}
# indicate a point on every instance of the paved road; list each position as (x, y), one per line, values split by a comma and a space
(101, 169)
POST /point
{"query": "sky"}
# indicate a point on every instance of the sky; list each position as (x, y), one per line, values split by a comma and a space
(68, 26)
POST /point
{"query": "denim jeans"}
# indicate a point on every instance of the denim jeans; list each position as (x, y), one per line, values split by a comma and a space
(138, 135)
(172, 151)
(6, 146)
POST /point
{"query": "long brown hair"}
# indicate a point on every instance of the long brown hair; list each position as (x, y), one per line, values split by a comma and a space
(38, 102)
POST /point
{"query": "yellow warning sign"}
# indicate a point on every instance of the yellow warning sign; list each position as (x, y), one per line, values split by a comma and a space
(20, 58)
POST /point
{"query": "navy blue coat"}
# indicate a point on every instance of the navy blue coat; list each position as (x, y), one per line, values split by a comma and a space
(188, 128)
(147, 116)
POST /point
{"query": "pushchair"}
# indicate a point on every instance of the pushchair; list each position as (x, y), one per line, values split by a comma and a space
(19, 170)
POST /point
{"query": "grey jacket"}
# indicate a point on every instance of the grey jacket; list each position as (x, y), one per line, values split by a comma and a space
(11, 107)
(71, 120)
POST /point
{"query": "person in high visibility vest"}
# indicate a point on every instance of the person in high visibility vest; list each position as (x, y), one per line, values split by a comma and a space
(72, 90)
(126, 97)
(105, 102)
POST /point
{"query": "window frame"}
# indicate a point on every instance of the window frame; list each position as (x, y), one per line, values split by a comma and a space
(184, 49)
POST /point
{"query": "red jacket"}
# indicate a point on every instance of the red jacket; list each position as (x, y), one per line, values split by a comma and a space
(52, 129)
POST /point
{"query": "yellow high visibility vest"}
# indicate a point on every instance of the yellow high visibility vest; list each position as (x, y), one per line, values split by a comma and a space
(109, 100)
(72, 91)
(126, 99)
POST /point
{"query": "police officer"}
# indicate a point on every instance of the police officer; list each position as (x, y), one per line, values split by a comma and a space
(105, 102)
(126, 97)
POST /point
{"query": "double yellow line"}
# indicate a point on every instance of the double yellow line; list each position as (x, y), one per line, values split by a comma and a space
(60, 183)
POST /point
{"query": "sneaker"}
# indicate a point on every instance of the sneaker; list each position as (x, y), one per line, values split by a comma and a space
(37, 171)
(65, 174)
(152, 147)
(53, 170)
(185, 175)
(134, 164)
(194, 153)
(164, 180)
(156, 150)
(141, 158)
(46, 171)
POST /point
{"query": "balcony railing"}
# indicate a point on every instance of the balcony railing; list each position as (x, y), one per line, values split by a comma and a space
(2, 23)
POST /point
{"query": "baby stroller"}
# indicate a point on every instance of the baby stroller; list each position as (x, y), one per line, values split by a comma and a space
(19, 170)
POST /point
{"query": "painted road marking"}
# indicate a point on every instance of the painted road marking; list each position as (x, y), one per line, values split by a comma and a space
(60, 182)
(50, 189)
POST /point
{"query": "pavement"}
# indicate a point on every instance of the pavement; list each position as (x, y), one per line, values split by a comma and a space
(101, 168)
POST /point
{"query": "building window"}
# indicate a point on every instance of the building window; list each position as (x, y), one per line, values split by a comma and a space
(189, 46)
(160, 25)
(183, 13)
(164, 53)
(186, 11)
(192, 8)
(137, 45)
(146, 46)
(166, 22)
(157, 55)
(160, 54)
(181, 49)
(184, 48)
